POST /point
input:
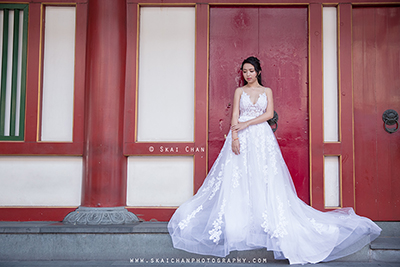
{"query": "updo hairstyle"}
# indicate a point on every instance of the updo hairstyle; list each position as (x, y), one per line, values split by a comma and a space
(257, 67)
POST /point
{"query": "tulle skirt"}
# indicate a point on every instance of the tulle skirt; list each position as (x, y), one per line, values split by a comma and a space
(248, 201)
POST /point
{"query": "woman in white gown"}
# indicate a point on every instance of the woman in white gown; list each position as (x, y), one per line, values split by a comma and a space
(248, 200)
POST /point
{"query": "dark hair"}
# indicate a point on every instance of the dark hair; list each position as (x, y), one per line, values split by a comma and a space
(257, 67)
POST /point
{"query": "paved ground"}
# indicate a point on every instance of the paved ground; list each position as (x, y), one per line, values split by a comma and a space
(154, 264)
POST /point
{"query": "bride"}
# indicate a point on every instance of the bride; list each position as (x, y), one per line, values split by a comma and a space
(248, 200)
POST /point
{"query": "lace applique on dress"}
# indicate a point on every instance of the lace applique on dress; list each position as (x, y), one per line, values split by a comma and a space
(265, 224)
(272, 153)
(236, 176)
(218, 183)
(216, 232)
(210, 184)
(261, 151)
(317, 226)
(265, 210)
(186, 221)
(250, 109)
(212, 180)
(280, 231)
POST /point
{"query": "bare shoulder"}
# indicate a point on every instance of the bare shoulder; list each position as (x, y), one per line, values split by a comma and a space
(238, 91)
(268, 90)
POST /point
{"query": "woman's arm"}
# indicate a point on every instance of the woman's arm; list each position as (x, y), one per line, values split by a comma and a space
(235, 108)
(235, 121)
(268, 114)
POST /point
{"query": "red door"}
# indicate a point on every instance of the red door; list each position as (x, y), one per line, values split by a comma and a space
(376, 65)
(278, 37)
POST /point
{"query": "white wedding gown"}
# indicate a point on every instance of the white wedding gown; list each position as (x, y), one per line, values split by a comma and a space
(248, 201)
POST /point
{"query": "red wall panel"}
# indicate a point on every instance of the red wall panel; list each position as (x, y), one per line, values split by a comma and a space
(278, 36)
(376, 50)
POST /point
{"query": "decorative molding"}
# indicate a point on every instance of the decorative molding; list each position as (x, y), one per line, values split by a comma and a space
(100, 216)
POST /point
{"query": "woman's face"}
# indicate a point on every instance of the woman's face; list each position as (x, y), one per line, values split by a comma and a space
(249, 73)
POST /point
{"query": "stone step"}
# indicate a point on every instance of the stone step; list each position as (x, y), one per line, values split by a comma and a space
(387, 246)
(386, 249)
(145, 241)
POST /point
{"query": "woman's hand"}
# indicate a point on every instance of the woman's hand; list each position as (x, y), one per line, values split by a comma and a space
(236, 146)
(240, 126)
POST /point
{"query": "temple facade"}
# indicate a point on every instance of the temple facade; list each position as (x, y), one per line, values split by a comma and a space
(117, 109)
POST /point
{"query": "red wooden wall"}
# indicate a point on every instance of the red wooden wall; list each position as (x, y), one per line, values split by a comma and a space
(376, 65)
(368, 85)
(277, 35)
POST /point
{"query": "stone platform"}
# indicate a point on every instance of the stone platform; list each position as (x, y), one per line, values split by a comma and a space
(146, 242)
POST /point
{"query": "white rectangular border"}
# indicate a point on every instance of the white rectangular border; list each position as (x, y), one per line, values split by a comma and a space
(166, 74)
(159, 180)
(40, 181)
(330, 68)
(58, 74)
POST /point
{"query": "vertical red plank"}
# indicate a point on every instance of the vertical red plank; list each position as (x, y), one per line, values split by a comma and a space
(365, 143)
(283, 47)
(32, 73)
(233, 37)
(315, 106)
(392, 61)
(376, 47)
(278, 37)
(201, 92)
(80, 63)
(346, 105)
(131, 77)
(387, 92)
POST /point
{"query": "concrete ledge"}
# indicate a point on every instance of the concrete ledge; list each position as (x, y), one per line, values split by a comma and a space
(386, 243)
(386, 256)
(389, 229)
(386, 249)
(99, 247)
(60, 228)
(44, 241)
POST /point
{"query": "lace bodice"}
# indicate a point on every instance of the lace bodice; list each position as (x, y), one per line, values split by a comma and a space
(248, 110)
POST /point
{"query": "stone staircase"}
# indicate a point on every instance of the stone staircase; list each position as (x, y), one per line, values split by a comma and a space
(146, 242)
(386, 247)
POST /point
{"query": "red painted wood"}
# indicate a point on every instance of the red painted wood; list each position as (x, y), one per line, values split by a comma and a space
(41, 73)
(381, 196)
(40, 148)
(230, 31)
(190, 2)
(32, 74)
(31, 146)
(333, 148)
(346, 105)
(131, 79)
(104, 164)
(201, 85)
(34, 213)
(253, 2)
(284, 49)
(315, 107)
(56, 1)
(80, 63)
(376, 66)
(163, 148)
(278, 37)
